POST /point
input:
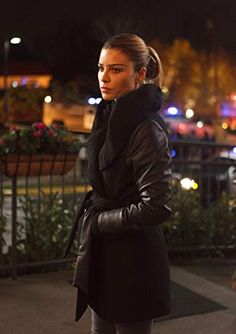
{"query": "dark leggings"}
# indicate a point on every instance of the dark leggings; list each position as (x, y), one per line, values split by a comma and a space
(101, 326)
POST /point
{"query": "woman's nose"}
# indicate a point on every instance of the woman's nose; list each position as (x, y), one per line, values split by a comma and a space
(105, 76)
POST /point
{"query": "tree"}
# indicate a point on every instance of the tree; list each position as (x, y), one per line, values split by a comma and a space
(190, 76)
(25, 104)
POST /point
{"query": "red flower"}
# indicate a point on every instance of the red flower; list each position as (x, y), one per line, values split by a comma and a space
(37, 138)
(50, 132)
(39, 126)
(13, 128)
(37, 133)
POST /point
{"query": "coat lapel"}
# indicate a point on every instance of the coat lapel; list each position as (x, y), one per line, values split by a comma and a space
(95, 143)
(126, 114)
(113, 124)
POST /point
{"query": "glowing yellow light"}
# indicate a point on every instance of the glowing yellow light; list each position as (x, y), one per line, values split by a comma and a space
(165, 90)
(194, 185)
(225, 125)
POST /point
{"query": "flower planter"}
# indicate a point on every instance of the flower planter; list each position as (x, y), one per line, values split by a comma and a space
(37, 164)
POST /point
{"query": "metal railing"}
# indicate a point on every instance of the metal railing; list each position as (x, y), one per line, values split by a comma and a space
(212, 166)
(36, 212)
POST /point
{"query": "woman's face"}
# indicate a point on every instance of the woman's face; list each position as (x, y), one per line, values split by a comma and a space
(116, 74)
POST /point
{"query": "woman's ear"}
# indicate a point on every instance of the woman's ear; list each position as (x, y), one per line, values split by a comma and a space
(141, 75)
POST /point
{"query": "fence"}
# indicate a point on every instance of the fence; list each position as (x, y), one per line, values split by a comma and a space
(212, 166)
(37, 211)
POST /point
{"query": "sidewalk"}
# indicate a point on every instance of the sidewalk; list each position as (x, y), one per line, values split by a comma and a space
(45, 304)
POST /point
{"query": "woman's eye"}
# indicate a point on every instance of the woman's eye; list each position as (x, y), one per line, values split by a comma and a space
(116, 70)
(100, 68)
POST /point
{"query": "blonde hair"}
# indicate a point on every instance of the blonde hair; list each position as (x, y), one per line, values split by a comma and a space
(140, 54)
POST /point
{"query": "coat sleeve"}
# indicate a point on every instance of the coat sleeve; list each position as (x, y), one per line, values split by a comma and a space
(149, 156)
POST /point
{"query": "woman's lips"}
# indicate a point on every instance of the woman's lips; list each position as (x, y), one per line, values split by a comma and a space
(105, 89)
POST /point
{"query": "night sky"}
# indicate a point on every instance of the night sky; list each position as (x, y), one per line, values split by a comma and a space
(68, 35)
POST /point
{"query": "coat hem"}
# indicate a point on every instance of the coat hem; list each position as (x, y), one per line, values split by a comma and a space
(151, 315)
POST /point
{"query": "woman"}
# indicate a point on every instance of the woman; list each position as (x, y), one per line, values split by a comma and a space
(122, 268)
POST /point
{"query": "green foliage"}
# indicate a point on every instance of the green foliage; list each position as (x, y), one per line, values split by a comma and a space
(3, 224)
(186, 226)
(222, 222)
(192, 225)
(47, 222)
(25, 103)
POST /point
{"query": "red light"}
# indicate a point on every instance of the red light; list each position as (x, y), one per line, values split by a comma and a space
(232, 96)
(182, 128)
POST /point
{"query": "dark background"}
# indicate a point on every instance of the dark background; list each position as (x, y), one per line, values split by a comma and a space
(67, 36)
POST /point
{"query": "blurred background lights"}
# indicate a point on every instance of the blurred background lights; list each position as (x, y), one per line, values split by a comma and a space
(92, 100)
(15, 40)
(173, 153)
(24, 81)
(232, 96)
(48, 99)
(234, 150)
(172, 111)
(98, 100)
(182, 127)
(165, 90)
(225, 125)
(188, 184)
(189, 113)
(194, 185)
(200, 124)
(14, 84)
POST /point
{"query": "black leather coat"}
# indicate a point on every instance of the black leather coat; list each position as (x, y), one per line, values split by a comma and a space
(122, 268)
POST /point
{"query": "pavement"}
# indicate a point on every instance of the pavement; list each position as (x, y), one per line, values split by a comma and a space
(45, 304)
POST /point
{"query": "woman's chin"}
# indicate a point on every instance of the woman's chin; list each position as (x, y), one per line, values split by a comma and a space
(107, 97)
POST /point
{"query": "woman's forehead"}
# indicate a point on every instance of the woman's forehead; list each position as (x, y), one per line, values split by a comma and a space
(113, 57)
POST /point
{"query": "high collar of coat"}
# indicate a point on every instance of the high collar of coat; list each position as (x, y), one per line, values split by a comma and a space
(126, 113)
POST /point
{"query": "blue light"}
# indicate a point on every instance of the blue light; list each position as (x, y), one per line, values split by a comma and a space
(173, 153)
(172, 111)
(234, 150)
(228, 109)
(24, 81)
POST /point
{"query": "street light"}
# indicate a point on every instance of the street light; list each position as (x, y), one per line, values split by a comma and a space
(7, 42)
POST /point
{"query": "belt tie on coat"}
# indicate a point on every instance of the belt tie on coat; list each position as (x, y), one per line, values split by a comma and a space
(110, 204)
(92, 199)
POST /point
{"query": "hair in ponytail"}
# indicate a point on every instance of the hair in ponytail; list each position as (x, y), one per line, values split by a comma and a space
(154, 68)
(140, 54)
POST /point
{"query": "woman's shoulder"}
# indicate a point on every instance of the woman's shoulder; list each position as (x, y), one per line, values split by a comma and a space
(149, 128)
(149, 133)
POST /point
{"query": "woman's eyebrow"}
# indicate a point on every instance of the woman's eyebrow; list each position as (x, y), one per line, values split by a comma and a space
(110, 65)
